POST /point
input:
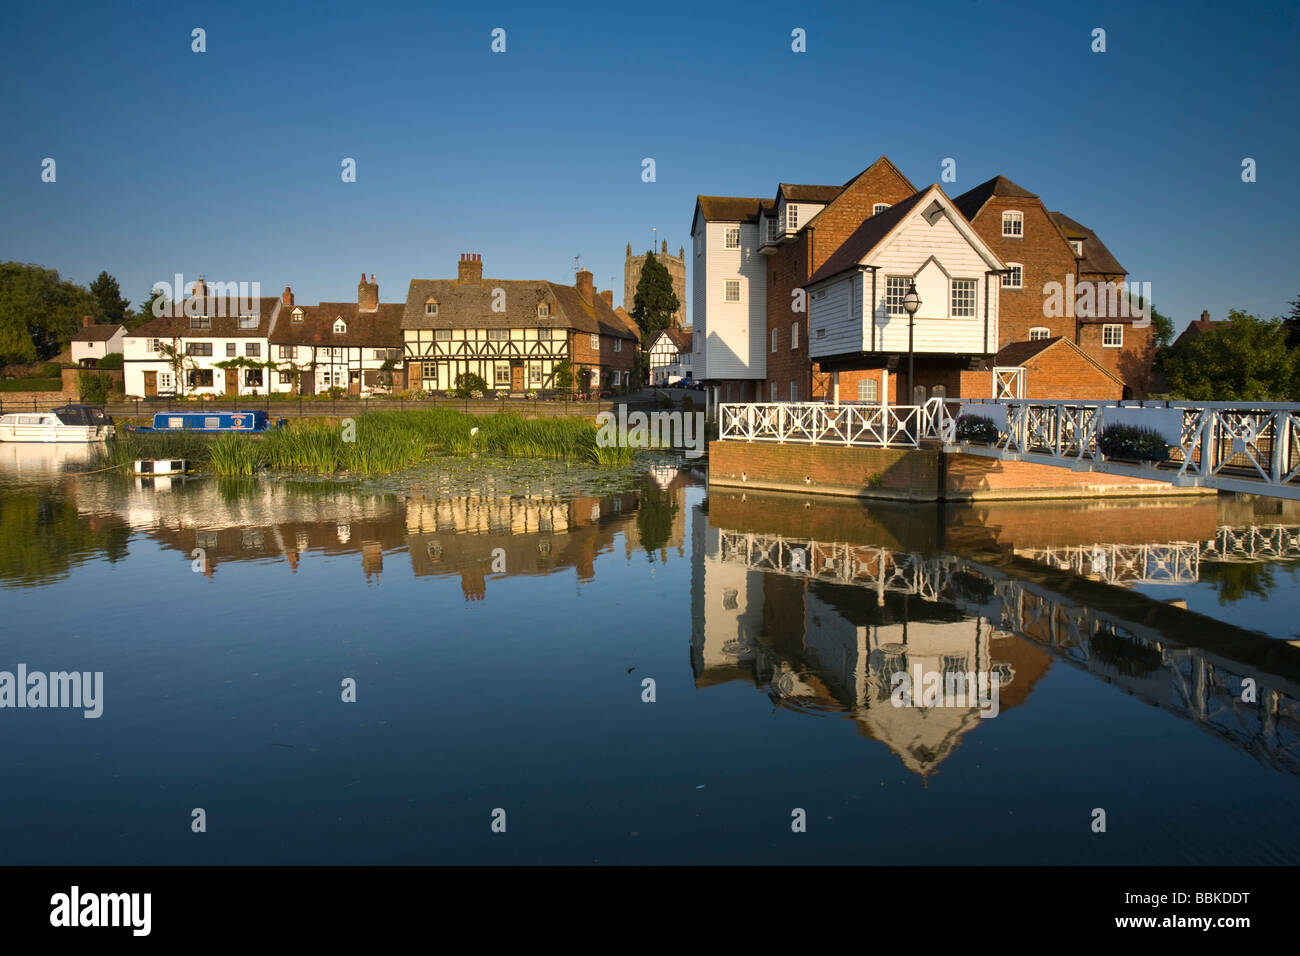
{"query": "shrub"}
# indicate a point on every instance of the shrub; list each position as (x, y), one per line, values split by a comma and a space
(93, 387)
(469, 385)
(1131, 441)
(49, 370)
(111, 360)
(976, 428)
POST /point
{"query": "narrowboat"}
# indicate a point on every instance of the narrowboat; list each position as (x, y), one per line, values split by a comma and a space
(245, 421)
(71, 423)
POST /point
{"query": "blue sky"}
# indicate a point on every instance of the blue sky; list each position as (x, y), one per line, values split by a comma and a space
(227, 163)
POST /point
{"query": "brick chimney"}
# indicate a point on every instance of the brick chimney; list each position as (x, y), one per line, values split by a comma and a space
(469, 271)
(367, 295)
(585, 286)
(608, 296)
(1205, 315)
(287, 296)
(87, 321)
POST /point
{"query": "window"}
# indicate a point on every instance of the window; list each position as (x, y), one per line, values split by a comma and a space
(731, 290)
(878, 208)
(1014, 277)
(791, 217)
(428, 369)
(286, 378)
(618, 345)
(1112, 336)
(733, 237)
(868, 390)
(543, 310)
(325, 376)
(151, 345)
(430, 306)
(198, 348)
(200, 378)
(231, 348)
(339, 325)
(248, 321)
(963, 298)
(1039, 332)
(165, 382)
(253, 377)
(595, 342)
(794, 336)
(442, 335)
(297, 315)
(379, 355)
(895, 292)
(820, 334)
(502, 375)
(200, 321)
(773, 230)
(614, 377)
(1077, 246)
(284, 351)
(794, 391)
(771, 391)
(498, 335)
(1013, 224)
(253, 349)
(534, 374)
(338, 353)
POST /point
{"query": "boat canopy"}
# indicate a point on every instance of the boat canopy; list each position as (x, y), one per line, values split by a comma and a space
(83, 415)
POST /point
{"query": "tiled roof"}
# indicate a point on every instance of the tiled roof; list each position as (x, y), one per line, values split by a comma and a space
(822, 194)
(681, 339)
(379, 329)
(866, 237)
(973, 200)
(1096, 257)
(728, 208)
(224, 324)
(467, 305)
(1018, 353)
(96, 333)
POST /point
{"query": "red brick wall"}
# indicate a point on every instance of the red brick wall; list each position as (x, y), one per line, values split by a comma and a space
(1060, 373)
(1132, 362)
(605, 357)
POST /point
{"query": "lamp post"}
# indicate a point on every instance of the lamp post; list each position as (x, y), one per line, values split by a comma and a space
(911, 302)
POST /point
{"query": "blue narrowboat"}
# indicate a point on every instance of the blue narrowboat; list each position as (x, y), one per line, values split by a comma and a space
(245, 421)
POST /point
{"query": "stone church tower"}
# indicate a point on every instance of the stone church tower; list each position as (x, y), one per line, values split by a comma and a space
(676, 266)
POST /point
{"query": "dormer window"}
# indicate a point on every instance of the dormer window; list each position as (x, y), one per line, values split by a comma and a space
(791, 217)
(200, 321)
(339, 325)
(430, 306)
(772, 229)
(297, 315)
(1077, 246)
(248, 321)
(543, 310)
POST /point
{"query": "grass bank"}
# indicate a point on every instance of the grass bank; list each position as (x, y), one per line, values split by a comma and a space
(375, 443)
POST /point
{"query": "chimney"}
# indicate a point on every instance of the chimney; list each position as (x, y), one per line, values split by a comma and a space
(608, 296)
(469, 271)
(1205, 315)
(287, 296)
(584, 285)
(87, 321)
(367, 295)
(200, 288)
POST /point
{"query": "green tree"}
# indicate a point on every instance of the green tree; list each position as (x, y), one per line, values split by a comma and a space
(654, 516)
(93, 387)
(146, 310)
(39, 312)
(1243, 358)
(655, 301)
(564, 375)
(111, 308)
(1162, 328)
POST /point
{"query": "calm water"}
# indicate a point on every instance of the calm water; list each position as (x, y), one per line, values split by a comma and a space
(499, 622)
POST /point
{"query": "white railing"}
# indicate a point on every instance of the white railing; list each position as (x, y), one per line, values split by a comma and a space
(816, 423)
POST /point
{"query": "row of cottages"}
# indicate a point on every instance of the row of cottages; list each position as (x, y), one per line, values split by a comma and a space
(213, 343)
(515, 333)
(669, 354)
(801, 296)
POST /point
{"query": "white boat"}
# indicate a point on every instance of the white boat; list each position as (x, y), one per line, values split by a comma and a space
(71, 423)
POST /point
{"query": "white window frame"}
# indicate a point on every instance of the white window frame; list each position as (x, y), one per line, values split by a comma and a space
(285, 351)
(963, 308)
(773, 229)
(340, 327)
(1039, 332)
(431, 308)
(232, 348)
(543, 310)
(501, 379)
(879, 207)
(727, 286)
(894, 300)
(774, 332)
(1117, 330)
(1077, 246)
(791, 217)
(872, 387)
(595, 342)
(1015, 278)
(794, 336)
(1013, 224)
(618, 345)
(731, 238)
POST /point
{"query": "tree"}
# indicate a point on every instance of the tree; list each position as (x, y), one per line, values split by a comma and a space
(146, 310)
(1243, 358)
(655, 302)
(1162, 328)
(110, 306)
(39, 312)
(564, 375)
(178, 360)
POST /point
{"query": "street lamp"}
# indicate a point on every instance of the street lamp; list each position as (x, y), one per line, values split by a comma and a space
(911, 302)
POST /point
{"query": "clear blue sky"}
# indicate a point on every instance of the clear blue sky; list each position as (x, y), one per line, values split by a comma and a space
(227, 163)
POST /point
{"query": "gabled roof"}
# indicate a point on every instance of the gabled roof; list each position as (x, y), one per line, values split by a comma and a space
(973, 200)
(468, 305)
(96, 333)
(380, 329)
(224, 314)
(1096, 257)
(880, 160)
(682, 339)
(728, 208)
(866, 237)
(1018, 353)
